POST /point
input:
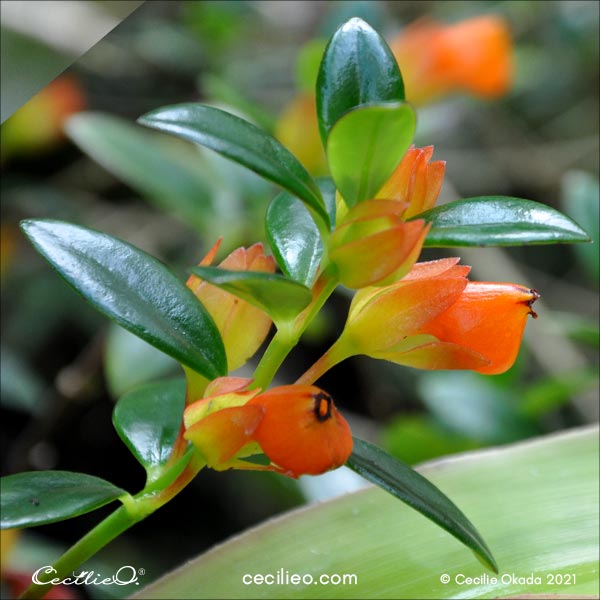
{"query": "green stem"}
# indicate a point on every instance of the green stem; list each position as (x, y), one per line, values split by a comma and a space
(336, 354)
(133, 510)
(287, 336)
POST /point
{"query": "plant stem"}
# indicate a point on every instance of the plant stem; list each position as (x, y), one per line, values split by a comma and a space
(287, 335)
(336, 354)
(134, 509)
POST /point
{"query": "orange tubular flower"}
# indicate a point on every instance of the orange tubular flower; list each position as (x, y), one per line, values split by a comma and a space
(374, 246)
(473, 56)
(242, 326)
(415, 181)
(297, 427)
(435, 319)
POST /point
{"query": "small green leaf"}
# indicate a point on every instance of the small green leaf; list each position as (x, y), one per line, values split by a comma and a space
(41, 497)
(365, 145)
(281, 298)
(357, 68)
(148, 162)
(499, 221)
(242, 142)
(148, 419)
(134, 289)
(412, 488)
(294, 238)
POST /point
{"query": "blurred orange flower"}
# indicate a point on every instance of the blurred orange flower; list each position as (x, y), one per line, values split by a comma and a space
(473, 56)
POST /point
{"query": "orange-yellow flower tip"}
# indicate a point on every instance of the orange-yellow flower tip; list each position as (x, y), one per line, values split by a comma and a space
(374, 246)
(226, 385)
(415, 181)
(474, 55)
(242, 326)
(488, 318)
(222, 434)
(302, 432)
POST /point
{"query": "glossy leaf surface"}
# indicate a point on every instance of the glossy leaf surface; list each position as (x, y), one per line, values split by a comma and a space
(242, 142)
(148, 418)
(499, 221)
(357, 68)
(281, 298)
(405, 483)
(133, 288)
(365, 145)
(40, 497)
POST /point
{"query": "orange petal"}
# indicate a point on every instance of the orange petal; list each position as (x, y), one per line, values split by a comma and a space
(488, 318)
(371, 259)
(434, 268)
(301, 431)
(400, 310)
(222, 434)
(436, 356)
(200, 409)
(226, 385)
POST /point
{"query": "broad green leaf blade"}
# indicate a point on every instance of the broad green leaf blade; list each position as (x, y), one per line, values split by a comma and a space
(41, 497)
(357, 68)
(148, 162)
(536, 504)
(294, 238)
(148, 419)
(402, 481)
(499, 221)
(281, 298)
(242, 142)
(134, 289)
(365, 145)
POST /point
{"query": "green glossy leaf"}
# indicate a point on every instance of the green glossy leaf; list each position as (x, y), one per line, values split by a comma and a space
(242, 142)
(536, 503)
(149, 162)
(401, 481)
(40, 497)
(148, 419)
(365, 145)
(357, 68)
(281, 298)
(135, 290)
(499, 221)
(294, 238)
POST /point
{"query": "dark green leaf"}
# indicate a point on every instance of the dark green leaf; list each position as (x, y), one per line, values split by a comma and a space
(365, 145)
(281, 298)
(135, 290)
(357, 68)
(328, 191)
(149, 162)
(148, 419)
(412, 488)
(242, 142)
(294, 238)
(499, 221)
(40, 497)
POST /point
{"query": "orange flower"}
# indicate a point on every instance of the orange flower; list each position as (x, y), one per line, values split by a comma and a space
(435, 318)
(473, 56)
(415, 181)
(297, 427)
(243, 327)
(373, 245)
(302, 432)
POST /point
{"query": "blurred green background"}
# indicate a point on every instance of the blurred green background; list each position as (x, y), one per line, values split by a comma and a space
(63, 365)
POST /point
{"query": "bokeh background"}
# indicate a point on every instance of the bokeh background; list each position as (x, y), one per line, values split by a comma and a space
(63, 366)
